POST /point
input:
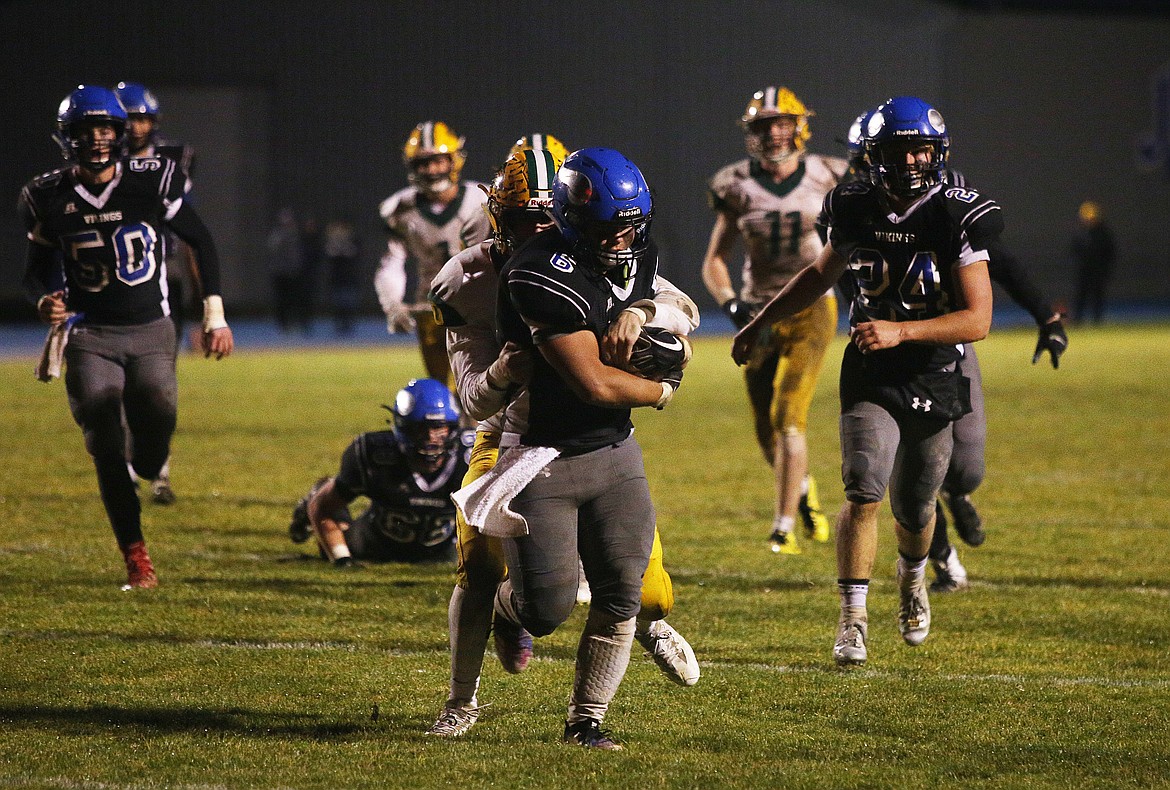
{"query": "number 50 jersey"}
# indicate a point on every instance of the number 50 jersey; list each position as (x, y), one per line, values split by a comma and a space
(112, 243)
(903, 266)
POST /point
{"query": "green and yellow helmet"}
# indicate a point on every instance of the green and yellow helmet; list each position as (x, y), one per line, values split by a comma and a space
(774, 102)
(520, 198)
(535, 141)
(427, 140)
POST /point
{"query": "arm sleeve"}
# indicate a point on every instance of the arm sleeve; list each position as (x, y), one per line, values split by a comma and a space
(670, 309)
(190, 228)
(472, 350)
(350, 481)
(43, 273)
(390, 279)
(1006, 269)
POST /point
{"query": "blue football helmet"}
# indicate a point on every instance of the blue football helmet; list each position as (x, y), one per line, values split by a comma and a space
(137, 99)
(599, 191)
(85, 107)
(420, 407)
(896, 126)
(855, 144)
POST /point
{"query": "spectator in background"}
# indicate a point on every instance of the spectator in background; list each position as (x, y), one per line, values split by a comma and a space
(1093, 253)
(311, 242)
(286, 269)
(341, 258)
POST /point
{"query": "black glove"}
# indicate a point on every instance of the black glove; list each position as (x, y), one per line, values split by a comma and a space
(1053, 339)
(674, 378)
(346, 563)
(739, 311)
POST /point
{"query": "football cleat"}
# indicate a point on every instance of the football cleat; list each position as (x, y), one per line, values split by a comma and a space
(849, 649)
(913, 608)
(588, 733)
(300, 528)
(454, 722)
(161, 492)
(816, 524)
(673, 654)
(967, 521)
(950, 575)
(783, 542)
(139, 568)
(513, 645)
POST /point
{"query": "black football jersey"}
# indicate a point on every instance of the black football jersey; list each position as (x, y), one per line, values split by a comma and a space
(903, 267)
(112, 243)
(544, 286)
(411, 508)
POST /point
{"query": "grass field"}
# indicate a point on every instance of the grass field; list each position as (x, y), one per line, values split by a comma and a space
(254, 665)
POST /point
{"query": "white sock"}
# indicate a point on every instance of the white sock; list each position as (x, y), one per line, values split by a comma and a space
(911, 572)
(853, 599)
(783, 524)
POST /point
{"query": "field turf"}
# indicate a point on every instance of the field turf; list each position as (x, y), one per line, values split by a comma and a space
(256, 665)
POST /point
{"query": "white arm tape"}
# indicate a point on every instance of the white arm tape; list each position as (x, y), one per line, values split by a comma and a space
(213, 314)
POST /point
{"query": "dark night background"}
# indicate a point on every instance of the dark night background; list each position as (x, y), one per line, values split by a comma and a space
(308, 104)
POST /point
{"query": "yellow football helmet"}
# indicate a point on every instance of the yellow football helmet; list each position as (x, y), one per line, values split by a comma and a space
(520, 198)
(773, 102)
(428, 140)
(538, 140)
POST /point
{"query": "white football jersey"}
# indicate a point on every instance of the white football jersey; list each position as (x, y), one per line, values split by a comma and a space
(433, 238)
(777, 221)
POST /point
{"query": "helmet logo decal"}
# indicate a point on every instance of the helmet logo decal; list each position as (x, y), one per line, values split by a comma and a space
(577, 184)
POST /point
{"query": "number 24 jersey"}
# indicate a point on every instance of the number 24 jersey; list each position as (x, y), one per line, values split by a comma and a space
(903, 266)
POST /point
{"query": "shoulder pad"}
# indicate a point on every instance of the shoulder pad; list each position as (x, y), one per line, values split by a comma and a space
(825, 168)
(381, 449)
(724, 179)
(402, 200)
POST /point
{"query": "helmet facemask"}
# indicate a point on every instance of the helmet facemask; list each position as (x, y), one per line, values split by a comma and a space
(891, 169)
(91, 144)
(771, 142)
(430, 176)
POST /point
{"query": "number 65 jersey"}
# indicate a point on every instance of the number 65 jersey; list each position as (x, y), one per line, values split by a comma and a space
(903, 265)
(112, 243)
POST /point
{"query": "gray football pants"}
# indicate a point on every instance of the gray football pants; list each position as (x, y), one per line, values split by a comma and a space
(967, 465)
(116, 369)
(596, 504)
(906, 454)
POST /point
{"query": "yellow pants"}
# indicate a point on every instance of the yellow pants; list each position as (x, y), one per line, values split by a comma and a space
(432, 344)
(481, 558)
(782, 372)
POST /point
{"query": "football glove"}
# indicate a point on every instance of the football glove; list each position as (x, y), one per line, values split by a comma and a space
(1053, 340)
(659, 352)
(739, 311)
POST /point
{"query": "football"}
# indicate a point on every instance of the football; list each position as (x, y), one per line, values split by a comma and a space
(657, 352)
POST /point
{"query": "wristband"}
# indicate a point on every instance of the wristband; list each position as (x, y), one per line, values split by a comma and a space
(338, 553)
(213, 314)
(639, 311)
(664, 398)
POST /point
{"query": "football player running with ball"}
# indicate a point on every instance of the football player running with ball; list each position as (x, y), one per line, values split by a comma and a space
(491, 380)
(770, 201)
(106, 219)
(587, 494)
(915, 250)
(429, 221)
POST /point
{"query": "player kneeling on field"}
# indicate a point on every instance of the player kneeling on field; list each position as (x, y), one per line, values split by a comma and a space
(408, 474)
